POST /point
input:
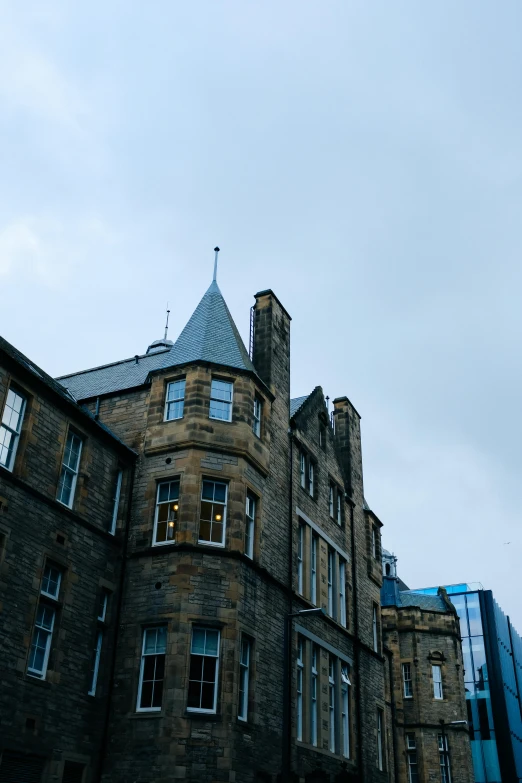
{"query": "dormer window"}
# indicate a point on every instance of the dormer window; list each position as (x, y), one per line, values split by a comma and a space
(221, 400)
(175, 400)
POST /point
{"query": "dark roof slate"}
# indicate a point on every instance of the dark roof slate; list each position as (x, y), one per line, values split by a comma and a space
(210, 335)
(429, 603)
(297, 403)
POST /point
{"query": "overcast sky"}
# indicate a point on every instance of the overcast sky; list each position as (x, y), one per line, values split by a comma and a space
(362, 159)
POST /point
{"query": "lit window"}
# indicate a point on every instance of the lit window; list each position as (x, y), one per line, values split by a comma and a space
(311, 478)
(331, 703)
(244, 678)
(167, 507)
(302, 469)
(407, 681)
(375, 628)
(213, 513)
(380, 740)
(51, 581)
(300, 552)
(445, 773)
(330, 583)
(69, 474)
(116, 503)
(204, 665)
(345, 713)
(152, 670)
(331, 500)
(436, 672)
(313, 570)
(10, 428)
(256, 421)
(342, 592)
(313, 705)
(299, 706)
(411, 750)
(175, 400)
(41, 643)
(221, 400)
(250, 521)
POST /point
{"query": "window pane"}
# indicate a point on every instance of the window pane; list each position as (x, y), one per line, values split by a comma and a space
(198, 641)
(475, 623)
(207, 492)
(221, 390)
(194, 694)
(220, 492)
(212, 641)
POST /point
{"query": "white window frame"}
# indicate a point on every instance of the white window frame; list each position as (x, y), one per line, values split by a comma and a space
(313, 567)
(14, 432)
(332, 706)
(345, 710)
(407, 680)
(331, 565)
(250, 524)
(436, 674)
(444, 760)
(302, 469)
(215, 398)
(67, 469)
(244, 677)
(342, 592)
(41, 674)
(171, 522)
(96, 668)
(49, 568)
(224, 513)
(217, 657)
(375, 629)
(339, 507)
(174, 400)
(116, 506)
(331, 500)
(299, 688)
(300, 555)
(314, 679)
(142, 668)
(256, 421)
(411, 752)
(380, 739)
(102, 613)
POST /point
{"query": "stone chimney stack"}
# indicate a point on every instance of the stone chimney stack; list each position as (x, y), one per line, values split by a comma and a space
(347, 424)
(271, 353)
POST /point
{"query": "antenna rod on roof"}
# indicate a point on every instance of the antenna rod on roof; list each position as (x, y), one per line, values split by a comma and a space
(167, 323)
(216, 251)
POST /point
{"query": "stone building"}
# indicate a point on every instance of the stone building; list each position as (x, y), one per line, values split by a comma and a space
(64, 486)
(429, 727)
(249, 633)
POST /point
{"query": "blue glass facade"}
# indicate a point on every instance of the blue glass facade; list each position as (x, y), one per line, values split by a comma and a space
(492, 653)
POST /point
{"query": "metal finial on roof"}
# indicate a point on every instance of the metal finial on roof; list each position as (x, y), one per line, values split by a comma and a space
(167, 322)
(216, 251)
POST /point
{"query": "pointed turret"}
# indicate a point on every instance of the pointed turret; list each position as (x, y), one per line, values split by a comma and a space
(211, 335)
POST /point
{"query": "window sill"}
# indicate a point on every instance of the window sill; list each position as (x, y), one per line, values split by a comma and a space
(350, 762)
(41, 682)
(144, 715)
(204, 716)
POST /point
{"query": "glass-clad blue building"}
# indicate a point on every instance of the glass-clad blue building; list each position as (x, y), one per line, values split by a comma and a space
(492, 653)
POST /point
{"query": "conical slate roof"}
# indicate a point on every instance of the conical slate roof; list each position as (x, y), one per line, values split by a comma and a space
(210, 335)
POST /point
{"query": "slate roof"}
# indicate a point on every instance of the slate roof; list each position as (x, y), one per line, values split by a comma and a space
(297, 403)
(55, 387)
(392, 595)
(210, 335)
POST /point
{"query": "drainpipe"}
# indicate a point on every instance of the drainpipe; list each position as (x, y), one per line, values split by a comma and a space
(393, 712)
(119, 605)
(357, 643)
(287, 635)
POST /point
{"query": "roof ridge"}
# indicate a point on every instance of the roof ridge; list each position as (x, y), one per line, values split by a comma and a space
(112, 364)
